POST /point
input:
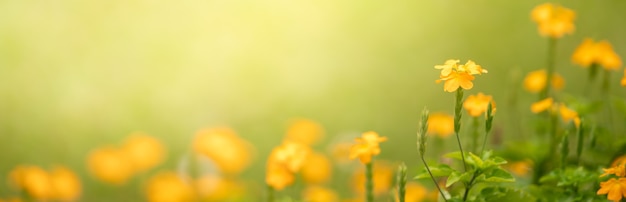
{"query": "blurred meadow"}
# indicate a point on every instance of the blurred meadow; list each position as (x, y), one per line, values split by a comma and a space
(77, 75)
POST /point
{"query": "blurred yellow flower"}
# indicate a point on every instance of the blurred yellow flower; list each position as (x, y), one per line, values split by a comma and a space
(568, 115)
(34, 180)
(167, 187)
(535, 81)
(319, 194)
(231, 153)
(440, 124)
(305, 131)
(614, 188)
(542, 105)
(366, 146)
(553, 20)
(382, 178)
(317, 169)
(619, 171)
(110, 165)
(340, 152)
(520, 168)
(216, 188)
(619, 161)
(65, 184)
(476, 105)
(455, 75)
(600, 53)
(414, 193)
(143, 151)
(278, 176)
(623, 81)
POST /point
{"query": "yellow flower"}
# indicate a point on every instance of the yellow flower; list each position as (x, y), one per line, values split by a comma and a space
(278, 176)
(542, 105)
(553, 20)
(455, 75)
(520, 168)
(623, 81)
(476, 105)
(382, 178)
(619, 161)
(601, 53)
(319, 194)
(619, 171)
(414, 193)
(110, 165)
(305, 131)
(231, 153)
(568, 115)
(440, 124)
(366, 147)
(317, 169)
(143, 151)
(535, 81)
(34, 180)
(215, 188)
(167, 187)
(616, 189)
(65, 184)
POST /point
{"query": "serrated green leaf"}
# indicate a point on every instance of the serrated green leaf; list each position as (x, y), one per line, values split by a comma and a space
(437, 170)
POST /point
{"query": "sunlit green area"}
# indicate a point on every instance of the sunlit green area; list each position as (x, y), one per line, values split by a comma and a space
(75, 75)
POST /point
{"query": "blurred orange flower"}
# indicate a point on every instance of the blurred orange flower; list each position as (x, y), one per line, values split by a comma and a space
(568, 115)
(382, 178)
(553, 20)
(619, 171)
(278, 176)
(614, 188)
(520, 168)
(319, 194)
(143, 151)
(542, 105)
(168, 187)
(366, 147)
(59, 184)
(317, 169)
(305, 131)
(535, 81)
(414, 193)
(476, 105)
(284, 161)
(110, 165)
(440, 124)
(215, 188)
(601, 53)
(231, 153)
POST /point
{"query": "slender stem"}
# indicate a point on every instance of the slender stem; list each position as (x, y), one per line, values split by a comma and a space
(485, 141)
(369, 184)
(550, 65)
(475, 134)
(469, 186)
(457, 122)
(434, 180)
(270, 193)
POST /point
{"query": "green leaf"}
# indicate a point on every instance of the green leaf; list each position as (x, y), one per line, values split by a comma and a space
(499, 175)
(477, 161)
(456, 176)
(457, 155)
(437, 170)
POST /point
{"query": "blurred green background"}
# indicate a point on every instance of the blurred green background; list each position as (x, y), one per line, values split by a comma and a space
(75, 75)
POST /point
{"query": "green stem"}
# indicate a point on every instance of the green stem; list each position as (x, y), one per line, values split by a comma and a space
(270, 193)
(434, 180)
(369, 184)
(457, 122)
(475, 134)
(469, 186)
(550, 65)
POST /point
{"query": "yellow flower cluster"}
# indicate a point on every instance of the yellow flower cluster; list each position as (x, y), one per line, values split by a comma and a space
(228, 151)
(284, 162)
(549, 105)
(440, 124)
(614, 187)
(600, 53)
(536, 81)
(455, 75)
(476, 105)
(139, 153)
(553, 20)
(366, 147)
(168, 186)
(60, 183)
